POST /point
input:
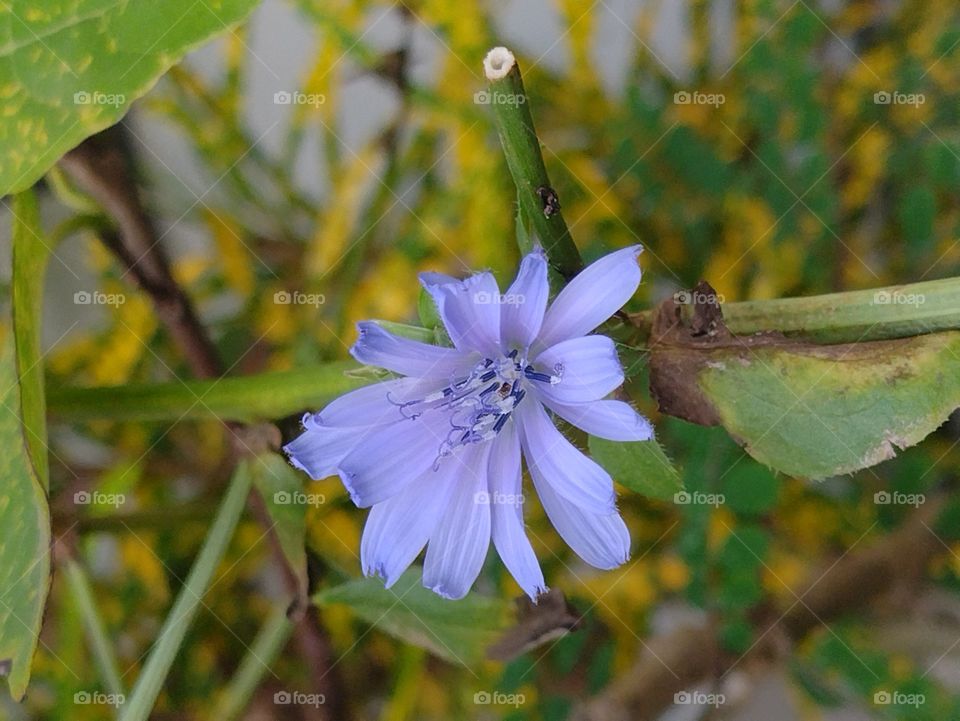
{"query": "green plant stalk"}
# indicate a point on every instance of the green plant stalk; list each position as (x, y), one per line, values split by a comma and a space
(256, 662)
(521, 146)
(248, 398)
(893, 312)
(150, 681)
(103, 657)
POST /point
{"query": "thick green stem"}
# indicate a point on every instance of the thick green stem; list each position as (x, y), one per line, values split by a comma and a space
(896, 311)
(256, 662)
(248, 398)
(155, 671)
(521, 147)
(893, 312)
(102, 651)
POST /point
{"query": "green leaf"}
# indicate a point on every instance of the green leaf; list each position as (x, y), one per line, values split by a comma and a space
(641, 466)
(432, 334)
(427, 311)
(70, 69)
(286, 502)
(458, 631)
(821, 411)
(256, 663)
(24, 514)
(181, 615)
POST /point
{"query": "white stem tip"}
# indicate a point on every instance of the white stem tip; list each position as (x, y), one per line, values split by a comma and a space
(498, 63)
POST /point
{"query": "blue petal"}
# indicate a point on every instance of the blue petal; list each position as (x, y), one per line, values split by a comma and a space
(379, 347)
(595, 294)
(376, 403)
(399, 528)
(470, 310)
(613, 420)
(602, 540)
(319, 449)
(387, 458)
(506, 508)
(460, 541)
(574, 476)
(522, 308)
(588, 368)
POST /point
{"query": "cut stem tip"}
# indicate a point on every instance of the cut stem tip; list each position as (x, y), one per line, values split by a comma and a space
(498, 62)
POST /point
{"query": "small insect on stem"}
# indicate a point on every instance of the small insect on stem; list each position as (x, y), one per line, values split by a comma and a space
(551, 202)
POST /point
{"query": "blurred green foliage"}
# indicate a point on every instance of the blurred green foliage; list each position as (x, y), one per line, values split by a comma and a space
(800, 181)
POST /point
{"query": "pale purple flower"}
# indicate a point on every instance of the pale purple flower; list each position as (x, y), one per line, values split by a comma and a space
(435, 453)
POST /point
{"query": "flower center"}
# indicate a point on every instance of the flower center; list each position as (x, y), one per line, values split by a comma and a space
(479, 405)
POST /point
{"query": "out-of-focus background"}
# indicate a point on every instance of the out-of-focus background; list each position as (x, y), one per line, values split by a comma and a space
(774, 148)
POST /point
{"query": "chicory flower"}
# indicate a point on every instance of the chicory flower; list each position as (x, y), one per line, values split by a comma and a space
(436, 453)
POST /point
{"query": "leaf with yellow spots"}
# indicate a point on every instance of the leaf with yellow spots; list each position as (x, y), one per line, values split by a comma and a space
(72, 69)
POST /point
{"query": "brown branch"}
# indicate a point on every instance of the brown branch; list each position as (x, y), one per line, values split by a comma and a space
(100, 167)
(678, 661)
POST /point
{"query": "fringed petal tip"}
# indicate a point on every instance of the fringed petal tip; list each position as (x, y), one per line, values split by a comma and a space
(536, 592)
(441, 590)
(379, 570)
(347, 479)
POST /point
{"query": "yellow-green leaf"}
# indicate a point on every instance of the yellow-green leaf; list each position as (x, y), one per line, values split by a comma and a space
(69, 69)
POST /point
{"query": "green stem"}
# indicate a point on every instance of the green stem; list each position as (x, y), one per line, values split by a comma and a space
(893, 312)
(246, 398)
(256, 662)
(521, 146)
(151, 679)
(103, 657)
(896, 311)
